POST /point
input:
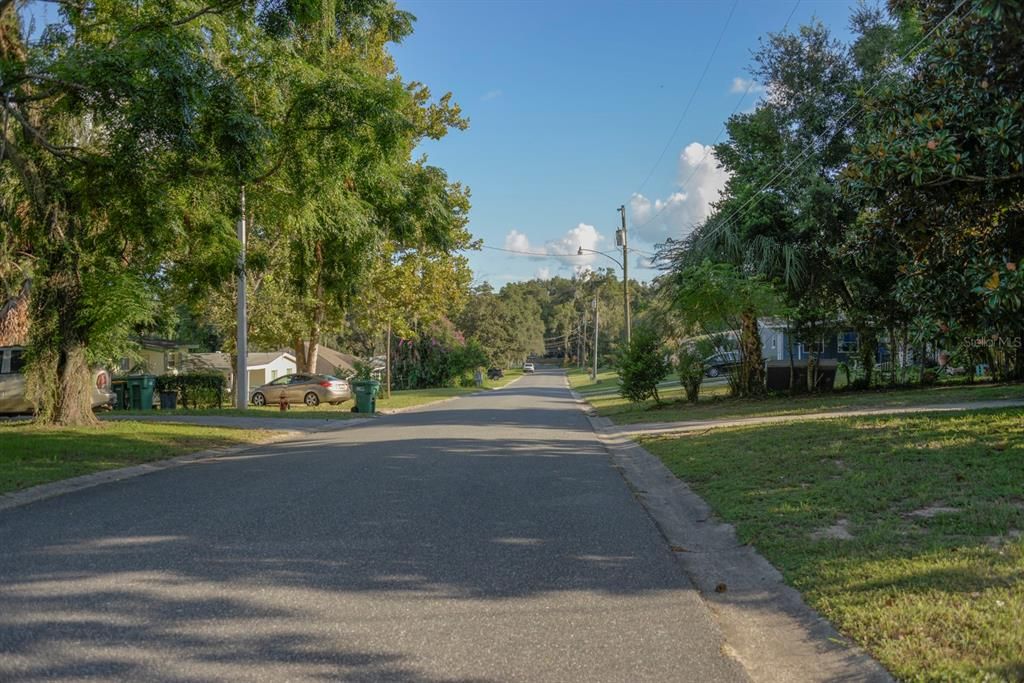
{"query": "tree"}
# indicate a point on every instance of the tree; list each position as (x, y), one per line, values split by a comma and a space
(713, 297)
(642, 365)
(939, 170)
(120, 121)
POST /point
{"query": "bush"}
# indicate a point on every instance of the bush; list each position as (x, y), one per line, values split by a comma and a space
(195, 389)
(691, 371)
(641, 366)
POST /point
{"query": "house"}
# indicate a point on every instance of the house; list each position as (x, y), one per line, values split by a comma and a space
(156, 357)
(262, 367)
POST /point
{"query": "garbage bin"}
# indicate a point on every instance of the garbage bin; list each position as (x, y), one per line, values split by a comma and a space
(140, 391)
(120, 389)
(168, 400)
(366, 395)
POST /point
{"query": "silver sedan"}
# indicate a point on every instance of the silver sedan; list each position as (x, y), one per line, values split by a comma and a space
(302, 388)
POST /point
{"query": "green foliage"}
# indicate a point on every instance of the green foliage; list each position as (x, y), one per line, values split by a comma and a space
(438, 357)
(195, 389)
(507, 326)
(691, 367)
(642, 365)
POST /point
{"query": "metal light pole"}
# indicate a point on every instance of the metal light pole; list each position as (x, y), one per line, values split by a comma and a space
(242, 341)
(625, 290)
(622, 240)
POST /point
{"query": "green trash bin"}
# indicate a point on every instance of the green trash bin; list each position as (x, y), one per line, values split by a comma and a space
(366, 395)
(120, 389)
(140, 391)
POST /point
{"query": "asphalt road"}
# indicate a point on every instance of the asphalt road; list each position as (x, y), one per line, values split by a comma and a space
(485, 539)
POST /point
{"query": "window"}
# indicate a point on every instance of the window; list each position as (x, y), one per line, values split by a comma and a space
(803, 350)
(17, 360)
(280, 381)
(273, 374)
(848, 342)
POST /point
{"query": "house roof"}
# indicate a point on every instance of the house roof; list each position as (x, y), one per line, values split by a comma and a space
(157, 344)
(222, 361)
(331, 362)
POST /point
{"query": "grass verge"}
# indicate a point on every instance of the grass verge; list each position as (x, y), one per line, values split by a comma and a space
(32, 454)
(715, 402)
(931, 577)
(410, 398)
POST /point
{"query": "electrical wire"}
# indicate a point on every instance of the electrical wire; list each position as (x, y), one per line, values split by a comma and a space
(710, 148)
(803, 156)
(693, 96)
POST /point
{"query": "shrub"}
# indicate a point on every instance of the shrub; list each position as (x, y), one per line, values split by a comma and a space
(195, 389)
(641, 366)
(690, 367)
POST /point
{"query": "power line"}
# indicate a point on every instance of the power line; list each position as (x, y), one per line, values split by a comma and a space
(693, 95)
(803, 156)
(710, 147)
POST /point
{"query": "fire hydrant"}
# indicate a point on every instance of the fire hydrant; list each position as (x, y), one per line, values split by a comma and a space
(283, 402)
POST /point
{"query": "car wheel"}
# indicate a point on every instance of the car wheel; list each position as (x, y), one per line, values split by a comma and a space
(259, 399)
(312, 400)
(714, 372)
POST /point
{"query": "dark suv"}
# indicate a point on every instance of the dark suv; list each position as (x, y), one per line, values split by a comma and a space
(721, 362)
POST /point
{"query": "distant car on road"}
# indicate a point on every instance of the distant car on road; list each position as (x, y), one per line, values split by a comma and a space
(721, 362)
(527, 367)
(13, 399)
(303, 388)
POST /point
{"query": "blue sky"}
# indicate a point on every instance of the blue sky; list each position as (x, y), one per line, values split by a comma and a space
(572, 103)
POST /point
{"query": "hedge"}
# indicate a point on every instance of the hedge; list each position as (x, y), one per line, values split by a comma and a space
(195, 389)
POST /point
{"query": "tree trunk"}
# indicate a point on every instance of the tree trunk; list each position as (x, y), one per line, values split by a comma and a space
(387, 363)
(868, 349)
(59, 379)
(300, 354)
(751, 363)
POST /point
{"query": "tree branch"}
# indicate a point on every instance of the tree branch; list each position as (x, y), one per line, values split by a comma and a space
(63, 152)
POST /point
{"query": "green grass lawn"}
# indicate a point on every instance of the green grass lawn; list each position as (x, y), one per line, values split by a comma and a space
(31, 454)
(715, 402)
(932, 580)
(399, 399)
(416, 397)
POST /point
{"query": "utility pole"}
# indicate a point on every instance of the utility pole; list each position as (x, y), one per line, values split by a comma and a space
(622, 239)
(583, 342)
(596, 323)
(242, 341)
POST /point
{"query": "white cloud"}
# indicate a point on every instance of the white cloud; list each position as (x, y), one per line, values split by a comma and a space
(491, 95)
(700, 182)
(742, 85)
(564, 249)
(542, 273)
(517, 241)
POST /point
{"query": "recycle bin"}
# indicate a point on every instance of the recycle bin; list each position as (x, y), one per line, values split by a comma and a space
(366, 395)
(140, 391)
(120, 389)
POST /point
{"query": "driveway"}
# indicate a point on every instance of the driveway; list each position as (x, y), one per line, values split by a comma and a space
(484, 539)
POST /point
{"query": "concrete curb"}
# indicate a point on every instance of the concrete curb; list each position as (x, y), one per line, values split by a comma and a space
(640, 429)
(767, 626)
(53, 489)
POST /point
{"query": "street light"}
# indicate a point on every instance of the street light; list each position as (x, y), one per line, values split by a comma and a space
(625, 289)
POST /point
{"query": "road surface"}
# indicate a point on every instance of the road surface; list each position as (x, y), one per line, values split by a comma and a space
(484, 539)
